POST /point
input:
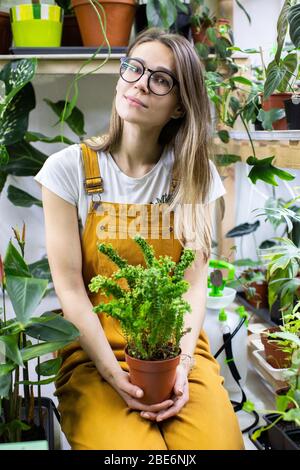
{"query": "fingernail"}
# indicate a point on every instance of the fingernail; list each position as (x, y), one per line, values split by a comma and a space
(159, 418)
(145, 415)
(139, 393)
(180, 392)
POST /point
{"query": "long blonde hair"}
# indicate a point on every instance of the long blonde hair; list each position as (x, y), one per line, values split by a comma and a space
(189, 136)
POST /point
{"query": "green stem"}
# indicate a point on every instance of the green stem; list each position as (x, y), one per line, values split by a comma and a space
(25, 377)
(249, 135)
(39, 395)
(3, 303)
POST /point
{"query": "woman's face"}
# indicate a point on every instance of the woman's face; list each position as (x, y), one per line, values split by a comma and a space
(156, 110)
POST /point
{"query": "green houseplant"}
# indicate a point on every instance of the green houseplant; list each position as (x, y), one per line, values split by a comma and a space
(151, 313)
(24, 338)
(282, 429)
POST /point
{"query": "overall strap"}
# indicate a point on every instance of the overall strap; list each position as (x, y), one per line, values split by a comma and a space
(93, 182)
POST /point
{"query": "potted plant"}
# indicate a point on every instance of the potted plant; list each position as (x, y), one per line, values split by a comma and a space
(282, 72)
(282, 429)
(151, 314)
(36, 24)
(172, 15)
(23, 338)
(116, 18)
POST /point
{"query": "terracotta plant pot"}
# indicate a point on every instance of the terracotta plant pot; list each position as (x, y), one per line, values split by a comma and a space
(5, 33)
(277, 100)
(156, 378)
(71, 34)
(119, 18)
(273, 353)
(260, 298)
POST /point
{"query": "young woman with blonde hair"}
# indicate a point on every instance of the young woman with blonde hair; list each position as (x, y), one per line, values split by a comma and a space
(149, 174)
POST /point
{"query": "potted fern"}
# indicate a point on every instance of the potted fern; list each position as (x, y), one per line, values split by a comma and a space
(151, 314)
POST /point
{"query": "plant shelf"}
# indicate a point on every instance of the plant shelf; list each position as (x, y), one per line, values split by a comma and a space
(69, 64)
(284, 145)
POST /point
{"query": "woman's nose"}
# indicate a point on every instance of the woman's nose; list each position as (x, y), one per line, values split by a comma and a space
(142, 83)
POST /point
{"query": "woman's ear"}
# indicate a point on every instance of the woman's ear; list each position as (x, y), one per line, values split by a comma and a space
(178, 113)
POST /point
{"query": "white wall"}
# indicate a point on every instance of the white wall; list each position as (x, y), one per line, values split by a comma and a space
(262, 32)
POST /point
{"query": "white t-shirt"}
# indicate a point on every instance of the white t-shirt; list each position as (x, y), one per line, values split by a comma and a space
(63, 174)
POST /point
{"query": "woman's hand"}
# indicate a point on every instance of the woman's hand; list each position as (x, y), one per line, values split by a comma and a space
(131, 394)
(180, 397)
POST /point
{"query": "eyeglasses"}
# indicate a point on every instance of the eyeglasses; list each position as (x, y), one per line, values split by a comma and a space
(159, 82)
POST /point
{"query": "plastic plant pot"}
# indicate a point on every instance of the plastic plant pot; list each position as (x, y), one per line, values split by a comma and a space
(36, 25)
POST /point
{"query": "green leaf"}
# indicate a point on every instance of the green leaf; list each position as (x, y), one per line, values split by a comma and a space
(267, 244)
(268, 117)
(242, 80)
(221, 46)
(11, 348)
(22, 199)
(243, 229)
(224, 136)
(38, 137)
(40, 269)
(14, 264)
(38, 382)
(4, 156)
(50, 367)
(5, 384)
(290, 65)
(16, 74)
(226, 159)
(282, 27)
(202, 50)
(211, 34)
(25, 160)
(245, 262)
(40, 349)
(75, 121)
(25, 294)
(14, 120)
(274, 76)
(264, 170)
(56, 329)
(294, 22)
(6, 368)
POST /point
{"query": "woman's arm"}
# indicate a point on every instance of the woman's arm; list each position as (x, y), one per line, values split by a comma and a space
(65, 260)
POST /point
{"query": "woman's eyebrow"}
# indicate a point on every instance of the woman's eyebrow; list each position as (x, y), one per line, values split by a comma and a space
(158, 68)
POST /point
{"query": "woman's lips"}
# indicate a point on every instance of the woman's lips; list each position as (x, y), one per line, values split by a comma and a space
(135, 102)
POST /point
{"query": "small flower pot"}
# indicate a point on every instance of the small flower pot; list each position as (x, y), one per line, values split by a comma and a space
(155, 378)
(36, 25)
(119, 21)
(260, 298)
(273, 353)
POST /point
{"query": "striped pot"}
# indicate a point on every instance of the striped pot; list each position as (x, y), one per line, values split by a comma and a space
(36, 25)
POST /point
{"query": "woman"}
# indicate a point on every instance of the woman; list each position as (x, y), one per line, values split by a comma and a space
(155, 152)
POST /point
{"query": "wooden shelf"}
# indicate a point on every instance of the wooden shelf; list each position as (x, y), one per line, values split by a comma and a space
(285, 145)
(69, 64)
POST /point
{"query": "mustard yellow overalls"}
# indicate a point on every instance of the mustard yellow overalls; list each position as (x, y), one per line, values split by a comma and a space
(93, 415)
